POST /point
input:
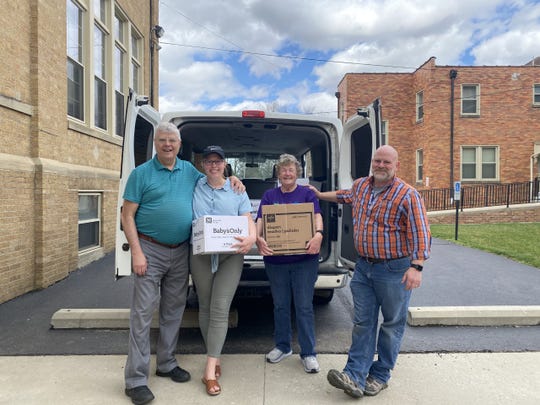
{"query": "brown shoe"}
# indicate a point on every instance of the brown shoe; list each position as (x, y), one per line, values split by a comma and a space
(373, 386)
(212, 387)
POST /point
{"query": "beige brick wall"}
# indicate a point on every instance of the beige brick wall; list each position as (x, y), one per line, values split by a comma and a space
(17, 217)
(46, 159)
(16, 226)
(15, 50)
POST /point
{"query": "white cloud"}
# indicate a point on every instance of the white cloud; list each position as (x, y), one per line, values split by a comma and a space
(515, 40)
(200, 68)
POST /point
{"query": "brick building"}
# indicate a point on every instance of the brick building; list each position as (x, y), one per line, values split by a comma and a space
(494, 132)
(67, 66)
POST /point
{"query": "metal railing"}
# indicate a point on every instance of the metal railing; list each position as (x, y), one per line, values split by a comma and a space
(483, 195)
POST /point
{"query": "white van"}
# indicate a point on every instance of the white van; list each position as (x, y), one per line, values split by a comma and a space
(332, 156)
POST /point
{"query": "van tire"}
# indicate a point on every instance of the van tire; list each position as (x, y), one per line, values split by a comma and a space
(323, 297)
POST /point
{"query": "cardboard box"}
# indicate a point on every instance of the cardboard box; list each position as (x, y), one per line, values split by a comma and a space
(288, 227)
(215, 233)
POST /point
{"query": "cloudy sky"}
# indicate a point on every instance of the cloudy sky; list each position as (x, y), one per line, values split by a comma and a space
(289, 55)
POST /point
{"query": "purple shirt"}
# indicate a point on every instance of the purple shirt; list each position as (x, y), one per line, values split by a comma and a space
(299, 195)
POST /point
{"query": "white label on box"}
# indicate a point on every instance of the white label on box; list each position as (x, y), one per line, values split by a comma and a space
(216, 233)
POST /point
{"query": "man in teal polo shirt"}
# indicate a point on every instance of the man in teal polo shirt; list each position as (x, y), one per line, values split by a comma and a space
(156, 217)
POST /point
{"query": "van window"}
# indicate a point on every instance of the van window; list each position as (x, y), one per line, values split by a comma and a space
(253, 167)
(143, 141)
(361, 147)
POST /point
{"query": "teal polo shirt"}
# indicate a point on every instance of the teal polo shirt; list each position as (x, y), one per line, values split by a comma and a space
(165, 199)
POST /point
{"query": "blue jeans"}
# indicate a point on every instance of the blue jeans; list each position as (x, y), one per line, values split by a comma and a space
(377, 286)
(294, 281)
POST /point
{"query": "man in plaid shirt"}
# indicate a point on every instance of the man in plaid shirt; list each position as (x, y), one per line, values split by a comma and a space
(393, 239)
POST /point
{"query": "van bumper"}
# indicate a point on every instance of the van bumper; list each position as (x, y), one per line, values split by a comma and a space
(329, 277)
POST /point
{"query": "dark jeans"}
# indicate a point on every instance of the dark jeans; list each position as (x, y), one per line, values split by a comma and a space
(294, 281)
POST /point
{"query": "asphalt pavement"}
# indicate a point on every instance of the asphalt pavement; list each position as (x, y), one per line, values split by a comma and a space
(455, 275)
(437, 364)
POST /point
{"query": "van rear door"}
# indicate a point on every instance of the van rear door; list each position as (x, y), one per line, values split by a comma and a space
(361, 137)
(137, 148)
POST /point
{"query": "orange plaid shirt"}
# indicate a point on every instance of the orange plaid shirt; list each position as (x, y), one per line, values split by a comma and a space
(392, 224)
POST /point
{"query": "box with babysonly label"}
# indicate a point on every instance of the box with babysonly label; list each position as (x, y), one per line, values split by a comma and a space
(288, 227)
(215, 233)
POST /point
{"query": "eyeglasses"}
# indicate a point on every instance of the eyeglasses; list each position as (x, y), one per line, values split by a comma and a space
(212, 162)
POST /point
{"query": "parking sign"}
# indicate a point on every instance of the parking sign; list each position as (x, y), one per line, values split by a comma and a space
(457, 191)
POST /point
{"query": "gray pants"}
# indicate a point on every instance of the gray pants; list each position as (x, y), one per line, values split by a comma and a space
(215, 293)
(165, 283)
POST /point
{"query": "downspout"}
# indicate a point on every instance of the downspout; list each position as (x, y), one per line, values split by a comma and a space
(453, 75)
(339, 113)
(532, 166)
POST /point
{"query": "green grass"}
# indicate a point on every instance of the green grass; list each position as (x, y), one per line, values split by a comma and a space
(517, 241)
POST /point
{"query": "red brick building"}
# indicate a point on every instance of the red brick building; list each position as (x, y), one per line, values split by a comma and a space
(491, 130)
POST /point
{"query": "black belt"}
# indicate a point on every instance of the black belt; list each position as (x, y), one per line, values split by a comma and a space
(373, 260)
(150, 239)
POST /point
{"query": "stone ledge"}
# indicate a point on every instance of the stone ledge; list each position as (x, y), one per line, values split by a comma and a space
(494, 315)
(113, 318)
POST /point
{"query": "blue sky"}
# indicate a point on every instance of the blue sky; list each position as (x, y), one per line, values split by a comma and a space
(237, 54)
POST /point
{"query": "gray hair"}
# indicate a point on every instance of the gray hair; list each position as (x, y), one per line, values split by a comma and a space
(286, 160)
(167, 127)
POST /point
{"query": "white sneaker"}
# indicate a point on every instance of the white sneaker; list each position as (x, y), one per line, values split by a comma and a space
(311, 365)
(276, 355)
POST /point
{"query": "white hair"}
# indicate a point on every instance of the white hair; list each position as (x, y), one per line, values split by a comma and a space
(286, 160)
(168, 128)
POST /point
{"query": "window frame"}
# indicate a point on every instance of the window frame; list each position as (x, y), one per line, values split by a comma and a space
(420, 106)
(136, 62)
(384, 132)
(102, 102)
(98, 220)
(536, 94)
(120, 70)
(479, 163)
(76, 107)
(419, 165)
(466, 99)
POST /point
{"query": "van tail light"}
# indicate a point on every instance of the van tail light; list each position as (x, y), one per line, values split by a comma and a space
(252, 114)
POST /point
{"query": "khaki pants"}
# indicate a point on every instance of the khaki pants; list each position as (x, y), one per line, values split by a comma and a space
(165, 284)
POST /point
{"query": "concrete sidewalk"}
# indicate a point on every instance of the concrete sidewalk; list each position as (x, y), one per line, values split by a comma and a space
(465, 378)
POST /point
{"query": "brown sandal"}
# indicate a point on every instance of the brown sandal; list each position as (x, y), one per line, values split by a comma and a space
(218, 371)
(212, 387)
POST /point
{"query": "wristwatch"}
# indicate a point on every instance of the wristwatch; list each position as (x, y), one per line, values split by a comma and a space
(418, 267)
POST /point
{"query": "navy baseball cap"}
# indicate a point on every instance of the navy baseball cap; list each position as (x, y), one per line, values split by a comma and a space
(213, 149)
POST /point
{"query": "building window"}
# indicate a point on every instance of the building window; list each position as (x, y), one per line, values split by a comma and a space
(135, 62)
(419, 106)
(100, 10)
(100, 88)
(536, 94)
(384, 133)
(479, 163)
(119, 81)
(470, 99)
(419, 165)
(89, 220)
(104, 59)
(75, 67)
